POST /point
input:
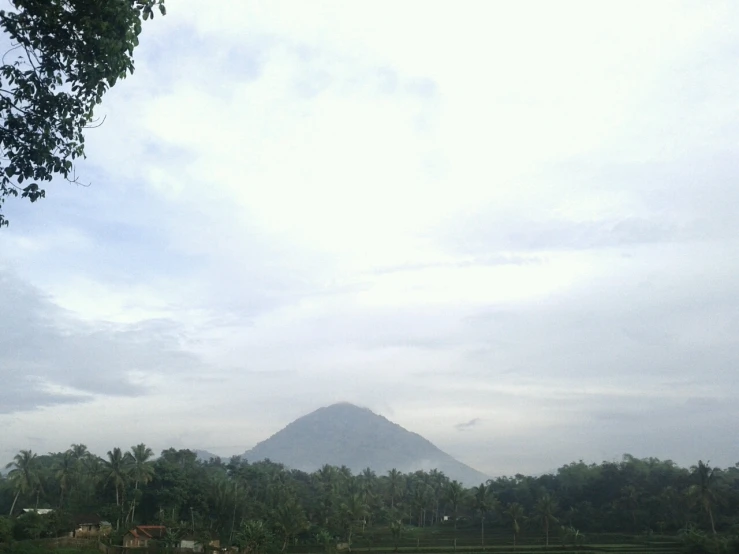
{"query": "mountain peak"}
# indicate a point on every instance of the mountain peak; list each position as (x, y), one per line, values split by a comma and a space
(342, 405)
(354, 436)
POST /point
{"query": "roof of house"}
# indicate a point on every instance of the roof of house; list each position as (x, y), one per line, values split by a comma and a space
(41, 511)
(148, 531)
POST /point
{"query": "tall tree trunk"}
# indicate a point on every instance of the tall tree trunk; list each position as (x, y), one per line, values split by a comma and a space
(546, 530)
(482, 531)
(233, 519)
(710, 515)
(133, 506)
(17, 494)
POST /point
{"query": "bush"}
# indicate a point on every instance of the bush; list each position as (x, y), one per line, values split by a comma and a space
(698, 542)
(6, 530)
(30, 526)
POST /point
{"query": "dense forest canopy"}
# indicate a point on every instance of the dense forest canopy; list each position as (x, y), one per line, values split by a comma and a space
(230, 499)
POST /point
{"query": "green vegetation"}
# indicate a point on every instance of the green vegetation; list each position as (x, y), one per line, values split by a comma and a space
(65, 55)
(626, 507)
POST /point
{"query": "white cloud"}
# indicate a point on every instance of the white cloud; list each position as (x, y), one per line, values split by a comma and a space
(514, 213)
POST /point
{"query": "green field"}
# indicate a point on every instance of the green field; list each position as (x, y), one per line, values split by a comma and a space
(499, 542)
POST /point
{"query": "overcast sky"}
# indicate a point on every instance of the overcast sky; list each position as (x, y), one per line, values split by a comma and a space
(509, 227)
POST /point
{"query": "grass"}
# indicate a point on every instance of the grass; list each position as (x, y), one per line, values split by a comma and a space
(31, 547)
(499, 541)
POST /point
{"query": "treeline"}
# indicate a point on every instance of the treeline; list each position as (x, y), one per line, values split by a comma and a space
(231, 500)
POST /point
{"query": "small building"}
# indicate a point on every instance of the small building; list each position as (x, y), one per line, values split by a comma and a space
(139, 536)
(194, 545)
(90, 526)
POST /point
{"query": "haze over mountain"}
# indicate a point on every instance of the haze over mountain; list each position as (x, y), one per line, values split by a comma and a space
(345, 434)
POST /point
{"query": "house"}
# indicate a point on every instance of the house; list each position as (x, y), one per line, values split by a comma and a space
(90, 526)
(139, 536)
(190, 543)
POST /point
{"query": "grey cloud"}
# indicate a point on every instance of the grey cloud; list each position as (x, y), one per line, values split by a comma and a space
(43, 348)
(19, 393)
(691, 199)
(467, 424)
(626, 337)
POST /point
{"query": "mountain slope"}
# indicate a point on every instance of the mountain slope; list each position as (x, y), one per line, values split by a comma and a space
(344, 434)
(204, 455)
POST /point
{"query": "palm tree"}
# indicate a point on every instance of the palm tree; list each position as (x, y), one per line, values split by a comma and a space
(704, 492)
(290, 518)
(79, 451)
(24, 473)
(80, 477)
(516, 515)
(345, 475)
(367, 479)
(630, 500)
(66, 468)
(367, 484)
(355, 509)
(455, 493)
(438, 483)
(483, 502)
(254, 536)
(92, 471)
(545, 509)
(172, 537)
(395, 480)
(396, 528)
(117, 469)
(419, 500)
(327, 478)
(141, 469)
(325, 539)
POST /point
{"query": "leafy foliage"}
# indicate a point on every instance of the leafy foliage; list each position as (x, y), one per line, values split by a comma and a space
(264, 507)
(66, 54)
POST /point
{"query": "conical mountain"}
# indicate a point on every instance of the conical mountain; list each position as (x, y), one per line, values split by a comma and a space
(344, 434)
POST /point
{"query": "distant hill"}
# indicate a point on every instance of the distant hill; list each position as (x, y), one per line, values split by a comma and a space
(204, 455)
(344, 434)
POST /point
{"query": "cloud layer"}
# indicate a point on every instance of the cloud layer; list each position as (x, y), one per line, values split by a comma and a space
(515, 222)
